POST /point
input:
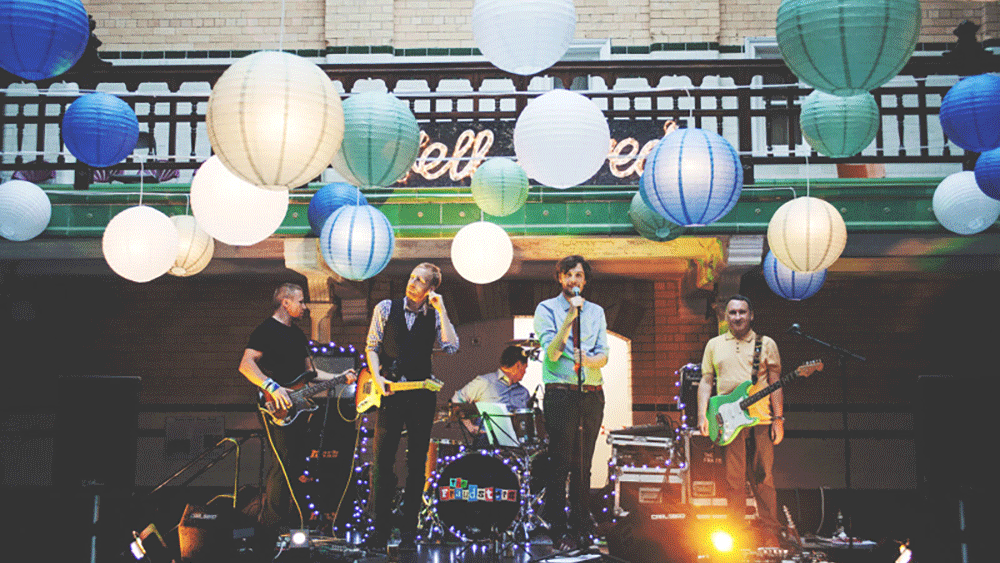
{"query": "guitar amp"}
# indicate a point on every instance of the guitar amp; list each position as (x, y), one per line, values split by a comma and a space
(706, 475)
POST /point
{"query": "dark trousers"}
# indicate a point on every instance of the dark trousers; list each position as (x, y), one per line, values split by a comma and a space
(563, 409)
(290, 445)
(753, 444)
(413, 410)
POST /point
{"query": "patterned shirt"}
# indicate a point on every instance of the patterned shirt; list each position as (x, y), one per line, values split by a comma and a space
(549, 316)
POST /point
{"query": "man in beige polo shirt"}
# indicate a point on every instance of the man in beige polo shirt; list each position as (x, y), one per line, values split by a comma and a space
(729, 359)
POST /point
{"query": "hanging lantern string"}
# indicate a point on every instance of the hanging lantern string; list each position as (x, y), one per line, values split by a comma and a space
(281, 33)
(142, 174)
(807, 175)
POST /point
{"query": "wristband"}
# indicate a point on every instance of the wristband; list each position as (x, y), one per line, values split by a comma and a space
(781, 418)
(271, 385)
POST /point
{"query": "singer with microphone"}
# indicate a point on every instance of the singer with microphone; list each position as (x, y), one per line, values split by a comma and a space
(572, 332)
(501, 386)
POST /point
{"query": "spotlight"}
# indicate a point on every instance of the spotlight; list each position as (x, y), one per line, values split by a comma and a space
(298, 539)
(148, 545)
(722, 541)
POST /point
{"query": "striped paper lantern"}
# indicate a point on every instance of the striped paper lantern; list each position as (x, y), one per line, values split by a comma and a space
(500, 186)
(195, 247)
(523, 37)
(839, 127)
(330, 198)
(970, 113)
(961, 207)
(988, 173)
(100, 129)
(789, 284)
(847, 47)
(381, 139)
(25, 210)
(693, 177)
(40, 39)
(807, 234)
(357, 241)
(650, 224)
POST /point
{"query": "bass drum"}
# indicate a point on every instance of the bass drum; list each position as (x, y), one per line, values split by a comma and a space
(478, 494)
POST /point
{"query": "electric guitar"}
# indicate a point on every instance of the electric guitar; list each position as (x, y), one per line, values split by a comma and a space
(793, 532)
(730, 413)
(369, 395)
(301, 401)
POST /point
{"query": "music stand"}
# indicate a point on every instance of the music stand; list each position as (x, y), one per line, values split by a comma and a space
(499, 427)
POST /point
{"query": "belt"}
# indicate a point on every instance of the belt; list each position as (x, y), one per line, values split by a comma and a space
(572, 387)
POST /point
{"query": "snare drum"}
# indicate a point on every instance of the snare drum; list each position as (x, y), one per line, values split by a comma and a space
(477, 494)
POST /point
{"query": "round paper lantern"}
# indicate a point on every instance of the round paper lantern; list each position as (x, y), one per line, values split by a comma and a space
(357, 241)
(500, 186)
(961, 207)
(381, 139)
(328, 199)
(561, 139)
(42, 38)
(140, 243)
(692, 177)
(25, 210)
(847, 47)
(195, 247)
(786, 282)
(807, 234)
(482, 252)
(650, 224)
(988, 173)
(839, 127)
(100, 129)
(232, 210)
(523, 37)
(275, 120)
(970, 113)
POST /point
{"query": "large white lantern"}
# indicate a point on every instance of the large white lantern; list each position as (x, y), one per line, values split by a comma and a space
(140, 243)
(961, 207)
(195, 247)
(482, 252)
(807, 234)
(523, 37)
(232, 210)
(25, 210)
(561, 139)
(275, 120)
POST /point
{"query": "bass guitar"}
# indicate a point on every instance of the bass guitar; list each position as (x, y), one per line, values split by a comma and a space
(300, 397)
(369, 395)
(728, 414)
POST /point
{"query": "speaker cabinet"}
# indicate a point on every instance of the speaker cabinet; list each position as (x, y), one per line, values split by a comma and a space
(206, 534)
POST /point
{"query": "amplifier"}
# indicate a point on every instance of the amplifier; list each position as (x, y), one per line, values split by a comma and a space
(647, 487)
(705, 476)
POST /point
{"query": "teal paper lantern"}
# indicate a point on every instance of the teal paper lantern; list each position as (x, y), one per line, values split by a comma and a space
(40, 39)
(100, 129)
(357, 241)
(381, 140)
(789, 284)
(970, 113)
(839, 127)
(650, 224)
(847, 47)
(500, 186)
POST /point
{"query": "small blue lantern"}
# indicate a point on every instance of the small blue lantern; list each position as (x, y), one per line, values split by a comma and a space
(357, 241)
(330, 198)
(786, 282)
(970, 113)
(100, 129)
(692, 178)
(988, 173)
(40, 39)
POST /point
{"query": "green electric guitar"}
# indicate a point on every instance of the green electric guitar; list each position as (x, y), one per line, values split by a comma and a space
(728, 414)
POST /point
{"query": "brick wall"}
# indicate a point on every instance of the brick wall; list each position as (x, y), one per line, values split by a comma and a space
(684, 21)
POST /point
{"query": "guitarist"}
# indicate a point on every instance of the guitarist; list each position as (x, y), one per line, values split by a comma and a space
(731, 359)
(403, 334)
(280, 348)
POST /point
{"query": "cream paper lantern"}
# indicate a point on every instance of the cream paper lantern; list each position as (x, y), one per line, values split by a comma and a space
(232, 210)
(482, 252)
(25, 210)
(275, 120)
(961, 207)
(807, 234)
(561, 139)
(194, 248)
(523, 37)
(140, 243)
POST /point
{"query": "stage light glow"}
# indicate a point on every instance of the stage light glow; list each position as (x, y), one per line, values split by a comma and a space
(722, 541)
(299, 538)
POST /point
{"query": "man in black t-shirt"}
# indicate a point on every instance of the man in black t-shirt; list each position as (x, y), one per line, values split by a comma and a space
(275, 357)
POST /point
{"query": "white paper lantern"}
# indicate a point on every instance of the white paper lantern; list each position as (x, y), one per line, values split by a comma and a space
(140, 243)
(25, 210)
(275, 120)
(523, 37)
(561, 139)
(807, 234)
(194, 247)
(961, 207)
(357, 241)
(232, 210)
(482, 252)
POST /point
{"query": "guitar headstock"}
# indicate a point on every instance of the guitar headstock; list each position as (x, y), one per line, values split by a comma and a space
(433, 384)
(809, 368)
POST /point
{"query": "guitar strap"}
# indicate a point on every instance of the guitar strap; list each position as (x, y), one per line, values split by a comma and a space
(757, 345)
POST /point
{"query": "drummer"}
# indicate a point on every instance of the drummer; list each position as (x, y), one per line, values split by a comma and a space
(501, 386)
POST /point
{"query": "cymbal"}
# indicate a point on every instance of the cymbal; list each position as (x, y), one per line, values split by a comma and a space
(525, 343)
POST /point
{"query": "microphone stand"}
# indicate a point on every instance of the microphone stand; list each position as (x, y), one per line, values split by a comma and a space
(843, 355)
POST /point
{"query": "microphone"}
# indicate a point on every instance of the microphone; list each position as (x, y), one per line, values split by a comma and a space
(534, 397)
(576, 291)
(794, 329)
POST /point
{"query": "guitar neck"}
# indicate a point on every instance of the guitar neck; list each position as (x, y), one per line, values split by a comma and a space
(768, 390)
(406, 385)
(320, 386)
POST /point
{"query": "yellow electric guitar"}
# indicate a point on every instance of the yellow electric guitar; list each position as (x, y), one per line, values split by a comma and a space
(369, 396)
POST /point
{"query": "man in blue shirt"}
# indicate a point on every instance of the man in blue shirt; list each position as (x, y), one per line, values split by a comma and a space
(501, 386)
(566, 406)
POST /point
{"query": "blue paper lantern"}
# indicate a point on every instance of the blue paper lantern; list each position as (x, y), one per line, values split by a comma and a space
(100, 129)
(786, 282)
(839, 127)
(970, 113)
(693, 177)
(357, 241)
(988, 173)
(330, 198)
(381, 139)
(847, 47)
(40, 39)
